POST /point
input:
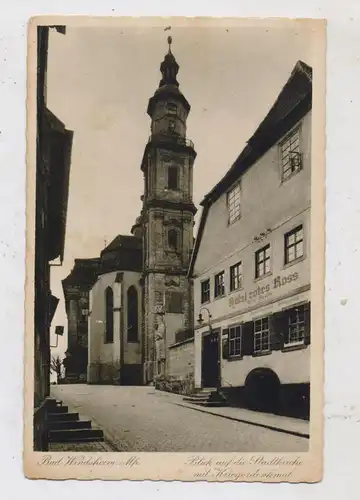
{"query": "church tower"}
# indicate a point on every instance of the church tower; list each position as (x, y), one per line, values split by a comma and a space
(167, 221)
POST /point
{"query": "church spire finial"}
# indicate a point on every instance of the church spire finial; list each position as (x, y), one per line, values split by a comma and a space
(169, 68)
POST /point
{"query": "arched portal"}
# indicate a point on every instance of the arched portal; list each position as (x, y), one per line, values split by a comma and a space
(262, 390)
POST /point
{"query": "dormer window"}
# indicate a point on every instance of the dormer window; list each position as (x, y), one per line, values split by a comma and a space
(290, 155)
(171, 108)
(233, 204)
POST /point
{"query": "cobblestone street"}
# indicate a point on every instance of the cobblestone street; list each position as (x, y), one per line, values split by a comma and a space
(142, 419)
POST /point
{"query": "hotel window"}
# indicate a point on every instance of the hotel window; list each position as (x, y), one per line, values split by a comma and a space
(290, 155)
(235, 341)
(261, 335)
(262, 261)
(173, 178)
(297, 325)
(171, 108)
(294, 244)
(233, 204)
(236, 276)
(205, 291)
(219, 285)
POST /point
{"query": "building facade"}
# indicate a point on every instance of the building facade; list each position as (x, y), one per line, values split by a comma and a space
(76, 287)
(53, 155)
(251, 264)
(115, 315)
(167, 222)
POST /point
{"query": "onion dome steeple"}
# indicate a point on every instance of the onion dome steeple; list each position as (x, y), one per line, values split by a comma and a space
(169, 68)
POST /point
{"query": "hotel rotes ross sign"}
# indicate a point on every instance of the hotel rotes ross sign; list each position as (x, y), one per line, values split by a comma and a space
(262, 292)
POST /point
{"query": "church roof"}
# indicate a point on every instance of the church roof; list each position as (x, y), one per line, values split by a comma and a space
(123, 241)
(124, 253)
(84, 272)
(292, 104)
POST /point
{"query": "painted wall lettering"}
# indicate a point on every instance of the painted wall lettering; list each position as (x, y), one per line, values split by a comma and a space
(264, 291)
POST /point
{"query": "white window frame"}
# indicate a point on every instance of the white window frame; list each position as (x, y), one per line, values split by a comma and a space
(201, 291)
(294, 232)
(233, 201)
(299, 326)
(237, 277)
(217, 295)
(237, 329)
(262, 262)
(290, 164)
(260, 334)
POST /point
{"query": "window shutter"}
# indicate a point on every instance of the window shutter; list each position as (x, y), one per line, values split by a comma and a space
(279, 330)
(247, 332)
(225, 344)
(307, 323)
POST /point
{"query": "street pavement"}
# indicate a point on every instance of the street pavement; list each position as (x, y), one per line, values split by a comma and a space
(143, 419)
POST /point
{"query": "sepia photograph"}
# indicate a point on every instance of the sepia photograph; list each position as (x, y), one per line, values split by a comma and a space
(175, 240)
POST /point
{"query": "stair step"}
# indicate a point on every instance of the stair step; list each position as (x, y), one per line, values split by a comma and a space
(210, 403)
(63, 417)
(72, 435)
(60, 409)
(63, 424)
(195, 399)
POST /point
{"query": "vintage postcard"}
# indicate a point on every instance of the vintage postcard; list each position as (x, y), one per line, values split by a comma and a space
(175, 249)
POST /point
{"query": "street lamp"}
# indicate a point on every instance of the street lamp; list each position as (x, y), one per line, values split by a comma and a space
(200, 318)
(201, 321)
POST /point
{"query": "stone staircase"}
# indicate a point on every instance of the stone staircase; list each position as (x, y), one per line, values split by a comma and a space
(206, 397)
(66, 427)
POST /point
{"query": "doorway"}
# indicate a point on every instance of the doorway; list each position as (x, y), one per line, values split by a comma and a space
(210, 360)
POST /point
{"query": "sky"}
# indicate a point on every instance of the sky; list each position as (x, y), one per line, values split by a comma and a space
(99, 82)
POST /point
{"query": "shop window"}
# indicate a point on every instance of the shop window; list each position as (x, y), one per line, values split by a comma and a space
(219, 285)
(262, 261)
(296, 326)
(205, 291)
(236, 276)
(294, 244)
(290, 155)
(173, 178)
(233, 204)
(235, 340)
(261, 335)
(109, 312)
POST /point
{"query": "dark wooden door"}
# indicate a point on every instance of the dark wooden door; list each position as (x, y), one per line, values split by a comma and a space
(210, 360)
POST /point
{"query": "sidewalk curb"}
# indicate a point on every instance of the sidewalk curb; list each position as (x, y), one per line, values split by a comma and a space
(243, 421)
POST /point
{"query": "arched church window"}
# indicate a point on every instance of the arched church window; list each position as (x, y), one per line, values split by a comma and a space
(173, 239)
(109, 315)
(132, 315)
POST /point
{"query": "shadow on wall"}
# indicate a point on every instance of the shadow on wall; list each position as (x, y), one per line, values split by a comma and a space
(263, 392)
(104, 373)
(115, 374)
